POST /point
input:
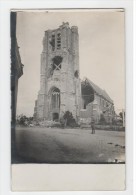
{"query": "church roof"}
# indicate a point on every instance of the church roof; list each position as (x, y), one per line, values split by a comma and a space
(99, 91)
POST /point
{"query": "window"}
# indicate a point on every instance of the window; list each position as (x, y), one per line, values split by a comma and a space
(103, 103)
(58, 41)
(57, 60)
(55, 98)
(84, 106)
(107, 105)
(52, 42)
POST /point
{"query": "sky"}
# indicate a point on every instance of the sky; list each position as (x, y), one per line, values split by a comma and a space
(101, 50)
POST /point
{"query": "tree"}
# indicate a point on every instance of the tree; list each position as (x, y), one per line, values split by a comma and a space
(69, 119)
(24, 120)
(121, 115)
(114, 121)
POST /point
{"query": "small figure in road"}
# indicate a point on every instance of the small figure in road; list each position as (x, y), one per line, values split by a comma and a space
(93, 126)
(62, 121)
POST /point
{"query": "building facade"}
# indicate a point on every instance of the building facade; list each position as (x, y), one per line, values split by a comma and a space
(60, 87)
(16, 73)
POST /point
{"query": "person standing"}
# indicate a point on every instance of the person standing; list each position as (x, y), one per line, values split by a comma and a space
(62, 122)
(93, 126)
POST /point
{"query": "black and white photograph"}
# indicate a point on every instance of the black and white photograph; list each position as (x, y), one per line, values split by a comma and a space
(68, 86)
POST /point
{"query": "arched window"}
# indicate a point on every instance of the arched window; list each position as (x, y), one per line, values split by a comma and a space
(55, 98)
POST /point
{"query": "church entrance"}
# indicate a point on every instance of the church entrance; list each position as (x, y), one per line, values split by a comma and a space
(55, 116)
(55, 103)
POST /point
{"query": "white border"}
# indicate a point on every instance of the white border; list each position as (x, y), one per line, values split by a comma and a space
(5, 6)
(134, 97)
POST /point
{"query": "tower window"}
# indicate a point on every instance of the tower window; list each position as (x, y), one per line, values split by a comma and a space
(58, 41)
(57, 60)
(52, 42)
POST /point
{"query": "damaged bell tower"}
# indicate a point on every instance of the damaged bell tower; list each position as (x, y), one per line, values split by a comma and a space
(60, 87)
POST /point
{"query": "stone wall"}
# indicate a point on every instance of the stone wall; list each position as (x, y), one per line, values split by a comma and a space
(97, 108)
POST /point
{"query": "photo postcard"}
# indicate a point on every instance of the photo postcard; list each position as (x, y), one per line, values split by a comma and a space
(67, 99)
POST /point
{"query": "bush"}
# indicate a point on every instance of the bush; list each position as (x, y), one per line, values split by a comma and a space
(69, 119)
(24, 120)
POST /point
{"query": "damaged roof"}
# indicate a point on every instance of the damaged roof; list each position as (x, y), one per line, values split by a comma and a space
(99, 91)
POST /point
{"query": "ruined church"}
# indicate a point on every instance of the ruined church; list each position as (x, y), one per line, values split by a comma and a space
(61, 88)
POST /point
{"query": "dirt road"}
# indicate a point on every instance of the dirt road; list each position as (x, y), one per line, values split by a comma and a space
(50, 145)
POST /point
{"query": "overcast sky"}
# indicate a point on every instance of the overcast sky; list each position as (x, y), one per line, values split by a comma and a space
(101, 51)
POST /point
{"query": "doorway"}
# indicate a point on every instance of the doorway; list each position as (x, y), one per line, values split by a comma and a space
(55, 117)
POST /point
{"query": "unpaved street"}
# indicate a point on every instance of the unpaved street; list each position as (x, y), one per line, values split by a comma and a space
(52, 145)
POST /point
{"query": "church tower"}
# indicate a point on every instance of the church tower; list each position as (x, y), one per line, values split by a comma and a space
(60, 87)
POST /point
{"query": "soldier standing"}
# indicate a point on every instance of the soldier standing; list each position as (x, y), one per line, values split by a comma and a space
(93, 126)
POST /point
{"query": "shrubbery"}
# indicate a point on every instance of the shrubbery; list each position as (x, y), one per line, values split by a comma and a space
(68, 120)
(24, 120)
